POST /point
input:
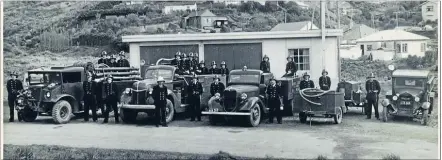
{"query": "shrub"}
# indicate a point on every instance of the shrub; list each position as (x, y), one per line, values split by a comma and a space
(391, 157)
(321, 157)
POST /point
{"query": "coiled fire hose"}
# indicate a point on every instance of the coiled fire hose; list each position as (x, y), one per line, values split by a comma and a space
(303, 95)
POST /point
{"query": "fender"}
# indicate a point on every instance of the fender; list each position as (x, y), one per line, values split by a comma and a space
(252, 101)
(176, 102)
(70, 99)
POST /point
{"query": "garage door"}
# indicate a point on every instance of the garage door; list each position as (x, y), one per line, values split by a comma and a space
(151, 54)
(235, 55)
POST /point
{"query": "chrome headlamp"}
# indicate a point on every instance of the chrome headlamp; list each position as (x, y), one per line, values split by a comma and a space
(48, 94)
(243, 96)
(417, 99)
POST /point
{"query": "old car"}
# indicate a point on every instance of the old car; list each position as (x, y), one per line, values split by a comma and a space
(410, 96)
(244, 97)
(353, 94)
(58, 91)
(138, 98)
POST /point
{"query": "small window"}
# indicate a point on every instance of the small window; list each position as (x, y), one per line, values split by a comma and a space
(398, 48)
(301, 58)
(430, 8)
(384, 45)
(405, 48)
(369, 47)
(423, 47)
(71, 77)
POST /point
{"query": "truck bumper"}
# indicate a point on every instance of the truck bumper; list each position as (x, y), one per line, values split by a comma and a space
(226, 113)
(134, 106)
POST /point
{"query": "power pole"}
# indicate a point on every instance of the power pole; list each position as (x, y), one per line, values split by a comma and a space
(339, 41)
(397, 20)
(323, 30)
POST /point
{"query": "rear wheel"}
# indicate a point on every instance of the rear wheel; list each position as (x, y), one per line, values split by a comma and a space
(255, 116)
(62, 112)
(338, 117)
(128, 115)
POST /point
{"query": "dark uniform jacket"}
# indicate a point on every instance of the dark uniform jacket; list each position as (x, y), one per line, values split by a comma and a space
(13, 86)
(195, 63)
(324, 82)
(89, 88)
(195, 90)
(110, 91)
(265, 66)
(273, 92)
(371, 87)
(290, 66)
(201, 70)
(159, 94)
(123, 63)
(102, 60)
(112, 64)
(217, 88)
(176, 62)
(186, 64)
(214, 71)
(306, 84)
(224, 71)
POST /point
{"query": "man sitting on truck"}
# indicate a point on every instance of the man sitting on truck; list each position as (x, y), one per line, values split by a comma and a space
(265, 64)
(122, 62)
(214, 69)
(324, 81)
(201, 69)
(103, 58)
(306, 82)
(113, 62)
(290, 67)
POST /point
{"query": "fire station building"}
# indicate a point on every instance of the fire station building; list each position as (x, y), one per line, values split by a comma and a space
(240, 49)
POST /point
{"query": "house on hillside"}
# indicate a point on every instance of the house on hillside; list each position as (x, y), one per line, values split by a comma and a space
(295, 26)
(391, 44)
(355, 32)
(202, 19)
(430, 11)
(170, 9)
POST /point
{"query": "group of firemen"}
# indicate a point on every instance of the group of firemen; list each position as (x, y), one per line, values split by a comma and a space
(112, 61)
(189, 65)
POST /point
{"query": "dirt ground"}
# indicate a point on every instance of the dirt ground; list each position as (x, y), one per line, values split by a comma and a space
(355, 138)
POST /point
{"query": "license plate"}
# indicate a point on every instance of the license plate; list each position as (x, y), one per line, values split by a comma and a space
(405, 103)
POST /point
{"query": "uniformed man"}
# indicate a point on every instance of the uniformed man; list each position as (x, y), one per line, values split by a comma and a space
(113, 62)
(102, 60)
(89, 88)
(373, 89)
(223, 70)
(13, 86)
(107, 59)
(202, 69)
(122, 62)
(195, 60)
(111, 100)
(177, 61)
(217, 86)
(324, 81)
(306, 82)
(195, 89)
(185, 61)
(265, 64)
(214, 69)
(192, 61)
(159, 94)
(290, 67)
(274, 101)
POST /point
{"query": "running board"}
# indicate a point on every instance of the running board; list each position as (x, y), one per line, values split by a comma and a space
(227, 113)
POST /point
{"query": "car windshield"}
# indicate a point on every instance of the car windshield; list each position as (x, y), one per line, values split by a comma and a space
(409, 82)
(44, 78)
(154, 73)
(244, 79)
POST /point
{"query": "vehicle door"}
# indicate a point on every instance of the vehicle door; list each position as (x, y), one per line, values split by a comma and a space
(73, 85)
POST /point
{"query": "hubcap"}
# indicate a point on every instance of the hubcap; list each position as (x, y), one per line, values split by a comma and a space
(255, 113)
(63, 112)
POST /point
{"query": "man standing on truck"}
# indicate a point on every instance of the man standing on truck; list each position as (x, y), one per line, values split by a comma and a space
(122, 62)
(373, 89)
(306, 82)
(103, 58)
(195, 60)
(214, 69)
(159, 94)
(89, 98)
(224, 70)
(113, 62)
(265, 64)
(195, 89)
(324, 81)
(290, 67)
(201, 69)
(273, 92)
(111, 100)
(13, 86)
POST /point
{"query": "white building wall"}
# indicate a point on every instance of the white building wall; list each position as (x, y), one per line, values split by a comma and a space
(430, 15)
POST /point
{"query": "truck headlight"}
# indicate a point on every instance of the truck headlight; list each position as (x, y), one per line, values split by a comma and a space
(127, 91)
(417, 99)
(426, 105)
(48, 94)
(394, 98)
(243, 96)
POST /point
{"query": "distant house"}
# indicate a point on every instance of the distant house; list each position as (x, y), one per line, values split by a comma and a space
(295, 26)
(133, 2)
(430, 11)
(170, 9)
(230, 2)
(201, 19)
(393, 43)
(355, 32)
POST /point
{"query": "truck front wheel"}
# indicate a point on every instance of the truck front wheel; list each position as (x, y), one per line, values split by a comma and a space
(62, 112)
(28, 115)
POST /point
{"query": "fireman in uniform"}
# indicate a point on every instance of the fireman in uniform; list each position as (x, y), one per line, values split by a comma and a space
(306, 82)
(195, 60)
(192, 61)
(223, 70)
(13, 86)
(113, 62)
(89, 98)
(195, 89)
(103, 59)
(265, 64)
(177, 61)
(185, 61)
(111, 100)
(373, 89)
(324, 81)
(214, 69)
(290, 67)
(159, 94)
(274, 100)
(122, 62)
(202, 69)
(217, 86)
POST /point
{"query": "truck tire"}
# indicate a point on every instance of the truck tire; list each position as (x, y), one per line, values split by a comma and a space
(128, 116)
(28, 115)
(302, 117)
(62, 112)
(255, 118)
(170, 111)
(338, 116)
(425, 117)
